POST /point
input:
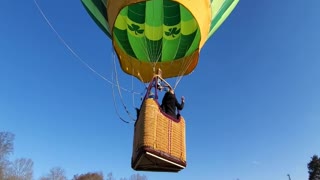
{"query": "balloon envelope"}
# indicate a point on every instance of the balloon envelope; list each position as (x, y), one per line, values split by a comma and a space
(165, 34)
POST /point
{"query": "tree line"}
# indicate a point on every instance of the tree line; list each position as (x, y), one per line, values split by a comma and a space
(314, 168)
(22, 168)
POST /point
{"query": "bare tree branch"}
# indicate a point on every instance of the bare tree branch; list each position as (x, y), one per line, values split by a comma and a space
(55, 173)
(89, 176)
(6, 148)
(20, 169)
(138, 177)
(6, 144)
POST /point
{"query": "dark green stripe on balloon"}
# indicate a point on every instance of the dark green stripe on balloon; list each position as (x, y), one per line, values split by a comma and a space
(195, 44)
(136, 12)
(98, 13)
(122, 39)
(100, 6)
(171, 13)
(172, 29)
(120, 33)
(136, 15)
(188, 34)
(185, 43)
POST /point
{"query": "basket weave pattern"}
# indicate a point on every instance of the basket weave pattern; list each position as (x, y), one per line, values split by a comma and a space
(155, 130)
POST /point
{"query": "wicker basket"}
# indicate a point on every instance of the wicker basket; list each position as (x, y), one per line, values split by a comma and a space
(159, 141)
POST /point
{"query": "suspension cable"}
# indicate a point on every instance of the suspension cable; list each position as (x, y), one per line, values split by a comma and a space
(133, 104)
(115, 104)
(187, 65)
(72, 51)
(119, 91)
(185, 69)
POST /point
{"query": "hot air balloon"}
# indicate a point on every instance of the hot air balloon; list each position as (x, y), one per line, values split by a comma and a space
(153, 36)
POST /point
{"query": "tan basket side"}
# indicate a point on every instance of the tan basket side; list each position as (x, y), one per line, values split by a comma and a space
(155, 130)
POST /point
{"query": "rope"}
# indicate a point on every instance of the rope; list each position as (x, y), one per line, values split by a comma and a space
(180, 74)
(72, 51)
(183, 70)
(115, 104)
(133, 104)
(119, 91)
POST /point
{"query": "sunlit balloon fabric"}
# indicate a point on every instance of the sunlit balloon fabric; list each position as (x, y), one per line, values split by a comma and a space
(165, 34)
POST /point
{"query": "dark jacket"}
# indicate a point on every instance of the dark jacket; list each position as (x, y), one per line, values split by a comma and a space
(169, 104)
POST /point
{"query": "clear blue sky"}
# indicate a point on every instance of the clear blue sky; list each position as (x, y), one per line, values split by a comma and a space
(252, 104)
